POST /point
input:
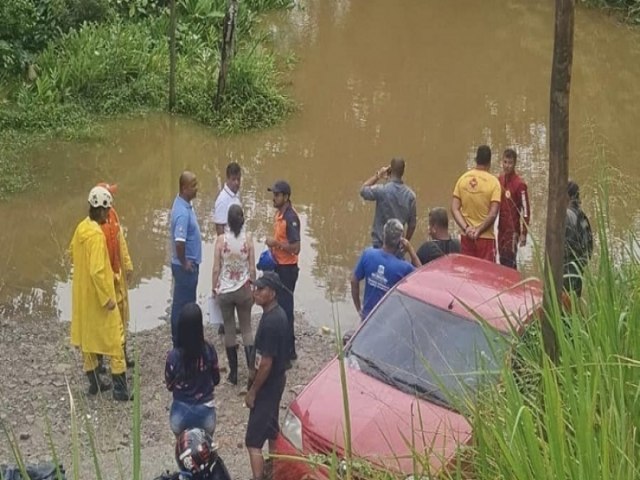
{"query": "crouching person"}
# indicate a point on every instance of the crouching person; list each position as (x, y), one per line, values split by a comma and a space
(96, 326)
(191, 373)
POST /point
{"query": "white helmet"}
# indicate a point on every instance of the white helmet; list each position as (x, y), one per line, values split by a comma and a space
(100, 197)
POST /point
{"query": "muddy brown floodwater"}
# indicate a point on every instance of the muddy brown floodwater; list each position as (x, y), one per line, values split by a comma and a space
(428, 80)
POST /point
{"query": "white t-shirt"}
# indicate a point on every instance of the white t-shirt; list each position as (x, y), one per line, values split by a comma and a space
(225, 199)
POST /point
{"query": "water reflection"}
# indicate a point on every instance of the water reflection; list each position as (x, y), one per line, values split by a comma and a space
(428, 80)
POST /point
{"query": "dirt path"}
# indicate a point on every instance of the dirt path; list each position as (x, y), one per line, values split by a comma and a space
(37, 361)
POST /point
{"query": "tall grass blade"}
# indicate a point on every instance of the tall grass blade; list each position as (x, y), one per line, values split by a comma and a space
(137, 418)
(52, 447)
(75, 439)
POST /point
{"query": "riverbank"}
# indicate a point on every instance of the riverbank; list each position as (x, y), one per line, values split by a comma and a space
(63, 82)
(38, 361)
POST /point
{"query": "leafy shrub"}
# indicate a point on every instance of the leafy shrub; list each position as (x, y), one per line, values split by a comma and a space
(17, 23)
(110, 68)
(265, 5)
(27, 26)
(252, 99)
(139, 9)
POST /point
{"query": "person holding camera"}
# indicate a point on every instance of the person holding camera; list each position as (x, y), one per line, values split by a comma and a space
(393, 200)
(381, 268)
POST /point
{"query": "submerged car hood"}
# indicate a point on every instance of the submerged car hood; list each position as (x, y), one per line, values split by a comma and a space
(387, 424)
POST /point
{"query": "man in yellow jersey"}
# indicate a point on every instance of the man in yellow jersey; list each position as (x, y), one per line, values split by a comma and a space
(475, 207)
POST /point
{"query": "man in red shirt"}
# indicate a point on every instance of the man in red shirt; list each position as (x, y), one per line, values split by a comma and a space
(514, 211)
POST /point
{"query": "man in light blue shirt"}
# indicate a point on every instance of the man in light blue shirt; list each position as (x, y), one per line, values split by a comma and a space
(381, 269)
(186, 248)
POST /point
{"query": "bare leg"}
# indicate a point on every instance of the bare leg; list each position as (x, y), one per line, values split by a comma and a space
(257, 463)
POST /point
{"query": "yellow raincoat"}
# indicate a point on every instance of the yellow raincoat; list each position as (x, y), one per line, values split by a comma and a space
(93, 328)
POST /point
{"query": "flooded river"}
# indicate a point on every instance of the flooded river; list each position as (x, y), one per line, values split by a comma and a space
(428, 80)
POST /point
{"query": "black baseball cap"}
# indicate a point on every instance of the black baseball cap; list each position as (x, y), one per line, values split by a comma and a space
(269, 279)
(281, 186)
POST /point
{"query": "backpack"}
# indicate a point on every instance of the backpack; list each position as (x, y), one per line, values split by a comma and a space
(579, 241)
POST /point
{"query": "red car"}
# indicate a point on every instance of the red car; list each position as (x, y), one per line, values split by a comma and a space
(423, 339)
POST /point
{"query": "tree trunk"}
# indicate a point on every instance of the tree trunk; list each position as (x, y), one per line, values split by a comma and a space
(172, 56)
(558, 166)
(226, 50)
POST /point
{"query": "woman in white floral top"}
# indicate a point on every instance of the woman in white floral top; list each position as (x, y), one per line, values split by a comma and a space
(233, 273)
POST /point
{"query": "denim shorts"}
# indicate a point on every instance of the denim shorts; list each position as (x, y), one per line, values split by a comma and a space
(186, 415)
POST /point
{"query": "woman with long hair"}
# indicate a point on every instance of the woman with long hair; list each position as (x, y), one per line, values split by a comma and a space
(191, 373)
(234, 270)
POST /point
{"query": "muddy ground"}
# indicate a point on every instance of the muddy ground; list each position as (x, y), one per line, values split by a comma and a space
(37, 362)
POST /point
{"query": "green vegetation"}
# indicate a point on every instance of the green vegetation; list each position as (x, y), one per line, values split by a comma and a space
(579, 418)
(629, 9)
(66, 63)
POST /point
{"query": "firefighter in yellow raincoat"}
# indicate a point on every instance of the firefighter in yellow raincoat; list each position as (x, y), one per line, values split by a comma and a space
(121, 265)
(96, 326)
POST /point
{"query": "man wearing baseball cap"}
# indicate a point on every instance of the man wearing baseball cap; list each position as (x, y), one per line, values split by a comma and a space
(285, 248)
(272, 351)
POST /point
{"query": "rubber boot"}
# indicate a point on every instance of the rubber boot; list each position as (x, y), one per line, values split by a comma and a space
(96, 384)
(127, 359)
(248, 353)
(102, 368)
(232, 356)
(251, 364)
(120, 389)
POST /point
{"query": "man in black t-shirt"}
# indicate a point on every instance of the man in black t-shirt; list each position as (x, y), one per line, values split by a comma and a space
(272, 349)
(442, 243)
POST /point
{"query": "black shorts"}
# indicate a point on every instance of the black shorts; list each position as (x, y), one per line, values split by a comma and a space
(264, 417)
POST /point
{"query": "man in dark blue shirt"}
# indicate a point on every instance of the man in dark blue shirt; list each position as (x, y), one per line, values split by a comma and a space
(186, 248)
(272, 350)
(381, 269)
(285, 248)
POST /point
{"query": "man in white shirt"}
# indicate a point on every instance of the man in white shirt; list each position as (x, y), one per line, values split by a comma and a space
(227, 197)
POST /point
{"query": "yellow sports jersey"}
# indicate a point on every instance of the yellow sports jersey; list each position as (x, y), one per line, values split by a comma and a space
(476, 189)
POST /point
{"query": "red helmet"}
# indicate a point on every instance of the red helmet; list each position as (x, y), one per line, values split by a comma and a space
(194, 452)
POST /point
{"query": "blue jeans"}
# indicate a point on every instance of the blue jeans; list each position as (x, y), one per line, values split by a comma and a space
(185, 285)
(185, 415)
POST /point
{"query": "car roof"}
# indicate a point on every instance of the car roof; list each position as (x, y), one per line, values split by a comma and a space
(475, 288)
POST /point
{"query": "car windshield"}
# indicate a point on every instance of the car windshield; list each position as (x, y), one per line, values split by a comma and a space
(427, 351)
